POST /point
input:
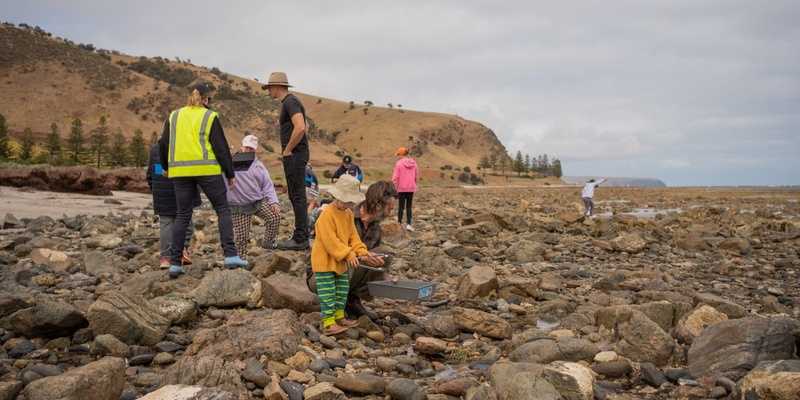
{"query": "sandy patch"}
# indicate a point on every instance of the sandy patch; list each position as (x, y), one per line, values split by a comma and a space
(33, 203)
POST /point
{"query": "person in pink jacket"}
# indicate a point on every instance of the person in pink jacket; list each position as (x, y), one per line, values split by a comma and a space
(405, 178)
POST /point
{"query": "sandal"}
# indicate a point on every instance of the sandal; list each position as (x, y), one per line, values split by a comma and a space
(346, 322)
(334, 329)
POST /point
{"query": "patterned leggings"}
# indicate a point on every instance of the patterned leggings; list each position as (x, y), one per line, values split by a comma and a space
(241, 228)
(332, 289)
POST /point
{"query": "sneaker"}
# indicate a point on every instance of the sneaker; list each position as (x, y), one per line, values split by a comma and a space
(165, 262)
(292, 245)
(409, 228)
(186, 259)
(334, 329)
(271, 247)
(176, 271)
(235, 262)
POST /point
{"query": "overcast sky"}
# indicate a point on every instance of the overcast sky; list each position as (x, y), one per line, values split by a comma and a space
(692, 92)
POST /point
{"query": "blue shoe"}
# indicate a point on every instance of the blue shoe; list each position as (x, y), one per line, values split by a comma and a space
(235, 262)
(176, 271)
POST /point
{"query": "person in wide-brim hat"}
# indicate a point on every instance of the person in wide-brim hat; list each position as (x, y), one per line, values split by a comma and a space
(277, 79)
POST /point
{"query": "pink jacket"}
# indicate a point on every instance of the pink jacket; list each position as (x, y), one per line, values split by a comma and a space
(405, 175)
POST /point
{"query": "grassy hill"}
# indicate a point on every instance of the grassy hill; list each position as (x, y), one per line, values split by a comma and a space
(50, 80)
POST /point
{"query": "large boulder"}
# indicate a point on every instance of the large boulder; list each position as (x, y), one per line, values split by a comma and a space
(771, 380)
(482, 322)
(48, 319)
(637, 337)
(732, 348)
(187, 392)
(100, 380)
(284, 291)
(214, 359)
(132, 319)
(695, 321)
(521, 381)
(479, 281)
(546, 350)
(228, 288)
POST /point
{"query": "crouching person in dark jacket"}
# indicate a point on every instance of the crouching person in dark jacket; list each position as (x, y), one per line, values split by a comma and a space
(166, 207)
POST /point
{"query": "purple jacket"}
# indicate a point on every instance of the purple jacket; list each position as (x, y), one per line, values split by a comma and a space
(253, 185)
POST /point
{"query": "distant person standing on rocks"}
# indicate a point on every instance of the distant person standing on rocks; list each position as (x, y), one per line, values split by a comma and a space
(587, 193)
(254, 194)
(165, 206)
(405, 178)
(379, 202)
(348, 168)
(194, 151)
(312, 188)
(336, 249)
(294, 155)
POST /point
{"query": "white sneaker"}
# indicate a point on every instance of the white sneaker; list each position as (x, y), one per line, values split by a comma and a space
(409, 228)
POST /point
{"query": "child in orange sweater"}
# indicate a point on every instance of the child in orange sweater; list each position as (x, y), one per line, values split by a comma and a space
(337, 247)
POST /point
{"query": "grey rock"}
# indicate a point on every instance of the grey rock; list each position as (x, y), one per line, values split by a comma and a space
(477, 282)
(561, 349)
(732, 348)
(284, 291)
(106, 344)
(254, 372)
(360, 383)
(228, 288)
(405, 389)
(481, 322)
(293, 389)
(48, 319)
(131, 319)
(651, 375)
(101, 380)
(637, 337)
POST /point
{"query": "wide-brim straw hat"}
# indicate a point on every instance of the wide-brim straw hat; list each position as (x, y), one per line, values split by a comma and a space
(277, 79)
(346, 190)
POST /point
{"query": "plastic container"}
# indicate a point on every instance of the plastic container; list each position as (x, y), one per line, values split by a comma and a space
(404, 290)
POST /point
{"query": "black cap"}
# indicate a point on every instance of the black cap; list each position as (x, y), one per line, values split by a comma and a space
(201, 88)
(347, 160)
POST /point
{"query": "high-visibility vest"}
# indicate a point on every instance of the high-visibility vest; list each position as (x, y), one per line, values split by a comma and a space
(190, 152)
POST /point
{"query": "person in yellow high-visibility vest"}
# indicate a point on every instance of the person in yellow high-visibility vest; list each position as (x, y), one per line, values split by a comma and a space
(194, 152)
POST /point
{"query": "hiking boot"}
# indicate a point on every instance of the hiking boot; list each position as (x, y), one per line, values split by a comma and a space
(176, 271)
(186, 259)
(235, 262)
(165, 263)
(355, 309)
(291, 244)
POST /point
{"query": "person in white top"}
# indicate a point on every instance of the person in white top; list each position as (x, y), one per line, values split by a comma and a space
(587, 193)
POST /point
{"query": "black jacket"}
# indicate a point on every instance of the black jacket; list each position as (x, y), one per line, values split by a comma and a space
(163, 190)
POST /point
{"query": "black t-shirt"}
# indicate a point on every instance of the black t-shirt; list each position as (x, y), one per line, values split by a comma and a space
(291, 106)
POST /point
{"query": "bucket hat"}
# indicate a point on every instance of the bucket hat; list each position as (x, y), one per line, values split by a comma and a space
(346, 190)
(277, 79)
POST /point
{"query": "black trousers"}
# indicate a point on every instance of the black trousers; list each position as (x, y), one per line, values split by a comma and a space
(216, 191)
(404, 201)
(294, 167)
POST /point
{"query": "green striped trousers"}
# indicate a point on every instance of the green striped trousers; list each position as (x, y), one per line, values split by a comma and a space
(332, 289)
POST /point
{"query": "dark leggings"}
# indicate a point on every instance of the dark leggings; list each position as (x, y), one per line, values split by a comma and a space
(217, 193)
(405, 199)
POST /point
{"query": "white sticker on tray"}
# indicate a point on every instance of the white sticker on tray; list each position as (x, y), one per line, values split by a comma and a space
(425, 292)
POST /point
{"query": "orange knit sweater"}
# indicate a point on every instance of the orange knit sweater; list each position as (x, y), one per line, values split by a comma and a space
(336, 241)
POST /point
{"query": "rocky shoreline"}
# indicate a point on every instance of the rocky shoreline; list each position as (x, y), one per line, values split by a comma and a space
(533, 301)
